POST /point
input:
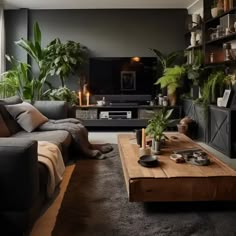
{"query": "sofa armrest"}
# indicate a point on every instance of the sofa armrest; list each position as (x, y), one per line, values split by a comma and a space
(19, 176)
(52, 109)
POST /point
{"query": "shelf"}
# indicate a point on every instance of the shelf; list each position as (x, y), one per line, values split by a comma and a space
(218, 17)
(222, 63)
(116, 123)
(222, 39)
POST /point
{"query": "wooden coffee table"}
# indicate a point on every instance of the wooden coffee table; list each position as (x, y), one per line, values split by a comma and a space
(171, 181)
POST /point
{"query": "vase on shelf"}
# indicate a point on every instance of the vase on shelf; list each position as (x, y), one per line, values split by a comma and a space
(193, 39)
(214, 12)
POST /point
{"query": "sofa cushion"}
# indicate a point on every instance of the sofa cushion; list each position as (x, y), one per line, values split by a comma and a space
(4, 131)
(61, 138)
(11, 100)
(11, 123)
(26, 115)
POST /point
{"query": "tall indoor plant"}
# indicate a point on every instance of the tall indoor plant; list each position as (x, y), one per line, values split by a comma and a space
(65, 58)
(37, 53)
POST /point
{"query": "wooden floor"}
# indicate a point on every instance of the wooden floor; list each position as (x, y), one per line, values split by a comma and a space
(171, 181)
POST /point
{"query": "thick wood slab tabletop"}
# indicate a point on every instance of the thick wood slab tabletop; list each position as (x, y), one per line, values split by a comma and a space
(129, 152)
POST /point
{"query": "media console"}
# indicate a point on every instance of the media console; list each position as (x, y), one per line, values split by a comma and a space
(120, 115)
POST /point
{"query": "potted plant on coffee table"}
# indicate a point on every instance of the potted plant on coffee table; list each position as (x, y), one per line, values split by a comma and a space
(156, 127)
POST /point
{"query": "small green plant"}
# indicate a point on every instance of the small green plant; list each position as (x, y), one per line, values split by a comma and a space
(213, 87)
(195, 70)
(172, 78)
(158, 124)
(62, 94)
(16, 81)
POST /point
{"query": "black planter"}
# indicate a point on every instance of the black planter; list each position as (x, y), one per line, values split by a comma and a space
(195, 89)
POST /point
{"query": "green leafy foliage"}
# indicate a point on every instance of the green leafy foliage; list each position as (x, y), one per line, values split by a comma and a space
(165, 61)
(62, 94)
(172, 78)
(65, 58)
(158, 124)
(195, 70)
(215, 83)
(35, 86)
(16, 80)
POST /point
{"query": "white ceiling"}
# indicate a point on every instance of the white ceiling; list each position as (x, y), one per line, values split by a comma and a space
(96, 4)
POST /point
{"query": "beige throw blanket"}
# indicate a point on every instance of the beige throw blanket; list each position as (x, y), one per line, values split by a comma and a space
(50, 155)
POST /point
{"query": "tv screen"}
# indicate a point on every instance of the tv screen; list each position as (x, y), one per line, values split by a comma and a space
(122, 75)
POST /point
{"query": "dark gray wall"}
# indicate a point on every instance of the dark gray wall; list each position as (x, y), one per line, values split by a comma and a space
(107, 33)
(16, 24)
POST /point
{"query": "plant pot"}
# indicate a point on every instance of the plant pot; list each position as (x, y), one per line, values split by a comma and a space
(195, 89)
(214, 12)
(156, 146)
(172, 99)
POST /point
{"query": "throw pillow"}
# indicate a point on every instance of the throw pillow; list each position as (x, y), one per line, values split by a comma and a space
(12, 125)
(4, 131)
(26, 115)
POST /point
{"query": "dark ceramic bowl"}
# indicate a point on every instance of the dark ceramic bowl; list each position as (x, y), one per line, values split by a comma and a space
(148, 159)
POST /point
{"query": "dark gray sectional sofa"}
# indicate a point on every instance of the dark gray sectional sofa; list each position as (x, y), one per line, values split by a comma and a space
(22, 178)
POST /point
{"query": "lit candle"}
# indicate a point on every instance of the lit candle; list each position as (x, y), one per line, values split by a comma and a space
(143, 138)
(87, 96)
(80, 98)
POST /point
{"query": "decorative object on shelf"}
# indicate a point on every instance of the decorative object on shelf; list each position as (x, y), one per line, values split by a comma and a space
(214, 9)
(219, 101)
(228, 55)
(227, 23)
(220, 6)
(196, 20)
(193, 39)
(226, 97)
(212, 57)
(199, 38)
(226, 5)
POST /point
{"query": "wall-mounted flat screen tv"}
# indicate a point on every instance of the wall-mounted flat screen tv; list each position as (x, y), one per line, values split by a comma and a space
(122, 75)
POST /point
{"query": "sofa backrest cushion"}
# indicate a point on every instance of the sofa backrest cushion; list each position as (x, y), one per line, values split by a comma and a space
(4, 131)
(26, 115)
(12, 125)
(11, 100)
(54, 110)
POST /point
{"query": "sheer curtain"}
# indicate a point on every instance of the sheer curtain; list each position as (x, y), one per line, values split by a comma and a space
(2, 41)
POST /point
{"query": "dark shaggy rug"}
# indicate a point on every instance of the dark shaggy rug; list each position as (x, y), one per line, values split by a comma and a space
(96, 203)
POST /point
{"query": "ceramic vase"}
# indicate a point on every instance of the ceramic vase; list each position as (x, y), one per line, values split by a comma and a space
(214, 12)
(193, 39)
